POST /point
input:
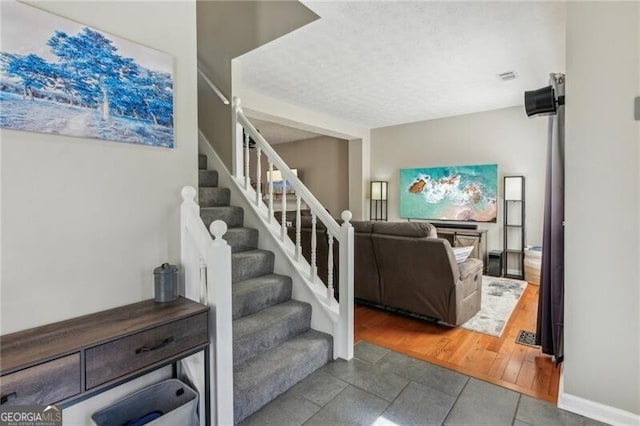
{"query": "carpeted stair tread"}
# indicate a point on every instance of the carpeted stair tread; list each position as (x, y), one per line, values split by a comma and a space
(202, 162)
(242, 239)
(231, 215)
(266, 329)
(250, 264)
(273, 345)
(207, 178)
(271, 373)
(256, 294)
(214, 196)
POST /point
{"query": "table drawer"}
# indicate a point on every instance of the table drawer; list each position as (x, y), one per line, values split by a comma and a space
(42, 384)
(126, 355)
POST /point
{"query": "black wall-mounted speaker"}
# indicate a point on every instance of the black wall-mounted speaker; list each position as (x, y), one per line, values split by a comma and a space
(541, 101)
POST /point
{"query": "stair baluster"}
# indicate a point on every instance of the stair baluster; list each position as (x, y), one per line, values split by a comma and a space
(283, 225)
(330, 270)
(246, 161)
(298, 226)
(314, 268)
(270, 191)
(258, 176)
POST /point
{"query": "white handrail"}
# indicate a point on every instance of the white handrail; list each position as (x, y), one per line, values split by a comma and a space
(213, 87)
(343, 311)
(199, 250)
(315, 205)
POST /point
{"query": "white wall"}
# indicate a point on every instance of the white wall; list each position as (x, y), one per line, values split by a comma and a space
(602, 280)
(506, 137)
(85, 221)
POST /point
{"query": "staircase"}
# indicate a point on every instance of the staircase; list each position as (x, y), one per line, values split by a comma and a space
(274, 346)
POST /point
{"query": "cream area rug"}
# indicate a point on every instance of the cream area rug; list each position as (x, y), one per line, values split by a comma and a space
(499, 297)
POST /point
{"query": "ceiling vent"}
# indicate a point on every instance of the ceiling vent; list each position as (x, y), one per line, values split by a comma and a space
(509, 75)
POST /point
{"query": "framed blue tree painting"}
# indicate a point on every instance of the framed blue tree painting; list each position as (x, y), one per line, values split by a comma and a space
(58, 76)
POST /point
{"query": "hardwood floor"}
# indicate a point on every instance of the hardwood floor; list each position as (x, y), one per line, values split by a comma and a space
(496, 360)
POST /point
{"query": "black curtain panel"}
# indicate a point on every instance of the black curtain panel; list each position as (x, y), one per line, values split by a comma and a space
(549, 332)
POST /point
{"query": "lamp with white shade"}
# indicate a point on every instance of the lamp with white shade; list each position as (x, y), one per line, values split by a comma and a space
(514, 226)
(379, 191)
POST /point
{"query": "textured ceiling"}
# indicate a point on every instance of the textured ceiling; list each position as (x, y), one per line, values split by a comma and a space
(278, 133)
(379, 63)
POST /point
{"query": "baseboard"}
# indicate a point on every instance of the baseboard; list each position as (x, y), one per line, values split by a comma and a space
(595, 410)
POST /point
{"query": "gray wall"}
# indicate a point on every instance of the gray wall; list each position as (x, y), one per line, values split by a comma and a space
(85, 221)
(506, 137)
(323, 163)
(602, 289)
(226, 30)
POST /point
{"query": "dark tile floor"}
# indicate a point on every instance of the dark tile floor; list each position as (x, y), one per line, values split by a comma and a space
(384, 388)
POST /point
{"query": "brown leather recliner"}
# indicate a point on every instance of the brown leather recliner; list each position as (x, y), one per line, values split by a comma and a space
(366, 279)
(403, 265)
(419, 273)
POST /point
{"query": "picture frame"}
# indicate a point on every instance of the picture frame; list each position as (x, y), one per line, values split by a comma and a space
(61, 77)
(466, 193)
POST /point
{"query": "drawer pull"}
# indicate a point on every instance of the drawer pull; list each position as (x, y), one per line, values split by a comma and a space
(8, 397)
(162, 344)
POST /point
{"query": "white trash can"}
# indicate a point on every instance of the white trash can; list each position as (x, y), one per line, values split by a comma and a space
(532, 264)
(168, 403)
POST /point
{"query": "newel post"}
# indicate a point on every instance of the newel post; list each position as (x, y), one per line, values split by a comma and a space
(188, 205)
(344, 333)
(236, 150)
(219, 300)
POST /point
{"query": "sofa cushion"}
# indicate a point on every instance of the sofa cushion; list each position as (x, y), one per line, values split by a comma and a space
(362, 226)
(405, 229)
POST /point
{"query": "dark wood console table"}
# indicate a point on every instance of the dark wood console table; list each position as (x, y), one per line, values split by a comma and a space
(460, 237)
(66, 362)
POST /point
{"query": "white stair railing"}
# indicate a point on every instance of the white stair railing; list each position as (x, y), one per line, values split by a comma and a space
(244, 133)
(206, 263)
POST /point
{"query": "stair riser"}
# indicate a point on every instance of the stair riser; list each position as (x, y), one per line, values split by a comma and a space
(214, 197)
(208, 178)
(248, 346)
(202, 162)
(261, 297)
(242, 239)
(250, 397)
(250, 267)
(232, 216)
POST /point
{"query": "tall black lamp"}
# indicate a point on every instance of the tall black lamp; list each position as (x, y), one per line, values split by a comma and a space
(378, 209)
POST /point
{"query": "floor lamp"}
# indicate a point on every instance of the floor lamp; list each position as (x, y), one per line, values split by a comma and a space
(378, 209)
